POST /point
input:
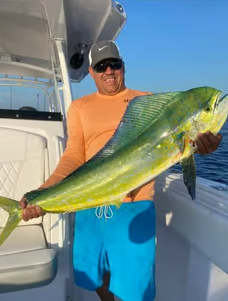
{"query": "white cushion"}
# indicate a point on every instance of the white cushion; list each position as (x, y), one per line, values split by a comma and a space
(25, 259)
(22, 166)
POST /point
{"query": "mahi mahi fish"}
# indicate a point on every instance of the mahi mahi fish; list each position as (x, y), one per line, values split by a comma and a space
(155, 133)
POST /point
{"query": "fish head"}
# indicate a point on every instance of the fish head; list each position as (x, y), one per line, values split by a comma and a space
(212, 111)
(220, 114)
(203, 98)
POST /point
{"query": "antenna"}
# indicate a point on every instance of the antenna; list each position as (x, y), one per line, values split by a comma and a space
(11, 100)
(38, 96)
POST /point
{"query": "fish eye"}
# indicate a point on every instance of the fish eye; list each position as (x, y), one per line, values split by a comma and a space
(208, 109)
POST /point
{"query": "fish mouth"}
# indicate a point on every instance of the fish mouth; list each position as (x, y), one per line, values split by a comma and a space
(220, 99)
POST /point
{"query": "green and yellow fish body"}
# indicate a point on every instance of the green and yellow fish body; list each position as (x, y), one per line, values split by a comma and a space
(155, 133)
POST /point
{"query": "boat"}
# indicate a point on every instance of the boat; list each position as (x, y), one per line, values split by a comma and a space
(44, 47)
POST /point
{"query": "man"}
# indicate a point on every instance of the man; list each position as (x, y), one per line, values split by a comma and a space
(122, 241)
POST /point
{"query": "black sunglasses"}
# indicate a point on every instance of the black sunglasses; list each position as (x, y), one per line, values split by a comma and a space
(102, 66)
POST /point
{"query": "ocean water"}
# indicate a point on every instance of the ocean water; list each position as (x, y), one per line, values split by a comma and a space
(214, 166)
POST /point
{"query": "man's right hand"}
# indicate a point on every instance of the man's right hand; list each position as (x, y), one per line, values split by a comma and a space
(30, 211)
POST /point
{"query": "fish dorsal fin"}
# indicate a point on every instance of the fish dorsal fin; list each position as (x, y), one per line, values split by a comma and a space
(141, 112)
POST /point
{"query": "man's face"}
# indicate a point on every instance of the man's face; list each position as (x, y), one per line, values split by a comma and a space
(108, 76)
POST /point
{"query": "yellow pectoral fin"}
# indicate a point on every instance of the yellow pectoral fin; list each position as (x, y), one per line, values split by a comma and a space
(184, 143)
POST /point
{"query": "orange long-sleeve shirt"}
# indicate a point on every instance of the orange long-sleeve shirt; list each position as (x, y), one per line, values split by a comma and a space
(91, 122)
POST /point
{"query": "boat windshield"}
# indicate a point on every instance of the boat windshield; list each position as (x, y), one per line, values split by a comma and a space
(21, 93)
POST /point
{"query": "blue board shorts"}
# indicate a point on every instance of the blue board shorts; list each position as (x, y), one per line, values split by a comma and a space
(121, 241)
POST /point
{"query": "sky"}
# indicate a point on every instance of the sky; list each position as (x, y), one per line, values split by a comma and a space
(172, 45)
(167, 45)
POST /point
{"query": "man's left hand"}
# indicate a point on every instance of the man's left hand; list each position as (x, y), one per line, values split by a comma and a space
(207, 143)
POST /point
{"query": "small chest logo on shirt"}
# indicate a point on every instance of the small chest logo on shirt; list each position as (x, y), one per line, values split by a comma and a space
(126, 100)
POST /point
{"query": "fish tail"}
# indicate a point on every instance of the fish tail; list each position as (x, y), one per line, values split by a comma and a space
(12, 207)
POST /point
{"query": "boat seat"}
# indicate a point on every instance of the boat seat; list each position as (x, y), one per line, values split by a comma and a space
(25, 260)
(26, 257)
(22, 166)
